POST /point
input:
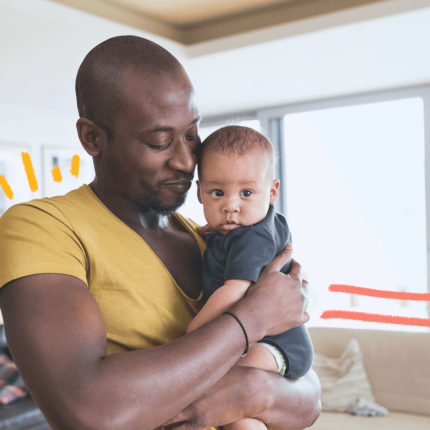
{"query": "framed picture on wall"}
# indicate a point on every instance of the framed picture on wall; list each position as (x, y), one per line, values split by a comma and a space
(13, 175)
(59, 175)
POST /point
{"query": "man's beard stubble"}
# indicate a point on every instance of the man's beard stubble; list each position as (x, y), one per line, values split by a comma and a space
(156, 207)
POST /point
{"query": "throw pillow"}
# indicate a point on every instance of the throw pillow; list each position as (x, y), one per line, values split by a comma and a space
(11, 385)
(344, 383)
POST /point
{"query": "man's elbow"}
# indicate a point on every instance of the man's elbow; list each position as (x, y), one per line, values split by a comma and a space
(317, 413)
(314, 398)
(314, 412)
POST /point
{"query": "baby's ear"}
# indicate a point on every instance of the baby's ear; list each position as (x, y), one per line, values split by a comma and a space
(199, 191)
(274, 191)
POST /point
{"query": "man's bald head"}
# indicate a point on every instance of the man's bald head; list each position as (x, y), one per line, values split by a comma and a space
(98, 82)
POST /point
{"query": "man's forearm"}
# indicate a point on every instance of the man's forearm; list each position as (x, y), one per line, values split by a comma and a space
(250, 392)
(77, 386)
(290, 405)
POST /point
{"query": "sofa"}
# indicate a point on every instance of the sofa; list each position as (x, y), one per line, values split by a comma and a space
(397, 364)
(22, 414)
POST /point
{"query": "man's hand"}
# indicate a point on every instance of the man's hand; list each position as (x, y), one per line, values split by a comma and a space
(203, 230)
(277, 302)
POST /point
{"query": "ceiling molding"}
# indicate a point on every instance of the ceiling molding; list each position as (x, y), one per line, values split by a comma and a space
(320, 22)
(218, 27)
(267, 17)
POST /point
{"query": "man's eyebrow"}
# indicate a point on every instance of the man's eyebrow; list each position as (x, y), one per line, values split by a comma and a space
(196, 120)
(166, 129)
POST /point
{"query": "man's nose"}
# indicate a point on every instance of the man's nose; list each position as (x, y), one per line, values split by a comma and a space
(183, 158)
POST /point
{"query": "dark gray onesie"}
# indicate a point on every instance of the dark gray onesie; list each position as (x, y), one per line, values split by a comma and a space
(242, 254)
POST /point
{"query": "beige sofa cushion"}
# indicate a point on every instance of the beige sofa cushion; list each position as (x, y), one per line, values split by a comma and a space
(393, 421)
(343, 379)
(397, 364)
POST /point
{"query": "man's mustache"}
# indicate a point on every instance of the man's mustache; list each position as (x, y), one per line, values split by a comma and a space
(179, 178)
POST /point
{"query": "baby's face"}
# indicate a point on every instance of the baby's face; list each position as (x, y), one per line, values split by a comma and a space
(236, 189)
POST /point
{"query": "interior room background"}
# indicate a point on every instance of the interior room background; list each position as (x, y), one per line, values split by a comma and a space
(344, 98)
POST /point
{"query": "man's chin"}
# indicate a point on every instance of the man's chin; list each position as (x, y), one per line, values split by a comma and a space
(164, 208)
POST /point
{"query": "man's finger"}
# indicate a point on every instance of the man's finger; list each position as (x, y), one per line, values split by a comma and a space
(280, 260)
(296, 269)
(202, 230)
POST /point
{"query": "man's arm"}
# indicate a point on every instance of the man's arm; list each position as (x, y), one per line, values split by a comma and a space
(57, 337)
(248, 392)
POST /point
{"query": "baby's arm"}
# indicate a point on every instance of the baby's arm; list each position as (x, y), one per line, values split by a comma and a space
(220, 301)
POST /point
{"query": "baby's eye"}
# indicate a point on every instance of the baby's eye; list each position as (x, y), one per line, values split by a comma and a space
(217, 193)
(246, 193)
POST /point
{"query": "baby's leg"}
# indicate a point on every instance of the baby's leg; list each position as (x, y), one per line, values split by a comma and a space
(258, 356)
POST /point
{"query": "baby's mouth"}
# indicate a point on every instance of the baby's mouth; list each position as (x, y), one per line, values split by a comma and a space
(229, 225)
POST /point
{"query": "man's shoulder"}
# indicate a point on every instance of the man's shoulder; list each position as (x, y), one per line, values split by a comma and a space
(57, 206)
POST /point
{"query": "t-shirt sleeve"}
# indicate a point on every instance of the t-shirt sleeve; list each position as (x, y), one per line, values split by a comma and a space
(247, 253)
(36, 238)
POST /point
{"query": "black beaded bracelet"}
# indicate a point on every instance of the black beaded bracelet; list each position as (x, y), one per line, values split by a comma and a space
(243, 329)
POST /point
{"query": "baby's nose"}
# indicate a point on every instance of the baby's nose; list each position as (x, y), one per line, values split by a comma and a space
(231, 207)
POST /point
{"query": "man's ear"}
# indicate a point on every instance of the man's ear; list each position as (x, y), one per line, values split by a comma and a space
(199, 192)
(274, 191)
(92, 137)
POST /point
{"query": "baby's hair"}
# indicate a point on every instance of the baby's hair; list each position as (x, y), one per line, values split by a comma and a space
(235, 139)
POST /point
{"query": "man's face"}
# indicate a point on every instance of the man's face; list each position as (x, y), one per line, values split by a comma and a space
(150, 159)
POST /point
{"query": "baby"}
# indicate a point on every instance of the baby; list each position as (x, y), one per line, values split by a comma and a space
(244, 233)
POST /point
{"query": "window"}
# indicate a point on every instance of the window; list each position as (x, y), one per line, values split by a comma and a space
(355, 191)
(354, 187)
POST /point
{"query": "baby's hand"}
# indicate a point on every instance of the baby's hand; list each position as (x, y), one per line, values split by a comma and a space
(203, 230)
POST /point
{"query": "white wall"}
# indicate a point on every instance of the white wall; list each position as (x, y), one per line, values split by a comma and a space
(41, 47)
(42, 44)
(377, 53)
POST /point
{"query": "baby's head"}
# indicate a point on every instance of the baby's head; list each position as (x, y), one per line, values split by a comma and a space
(236, 178)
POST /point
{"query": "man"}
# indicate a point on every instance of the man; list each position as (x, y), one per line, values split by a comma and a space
(98, 286)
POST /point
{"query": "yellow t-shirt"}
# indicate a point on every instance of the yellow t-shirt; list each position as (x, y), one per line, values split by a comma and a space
(75, 234)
